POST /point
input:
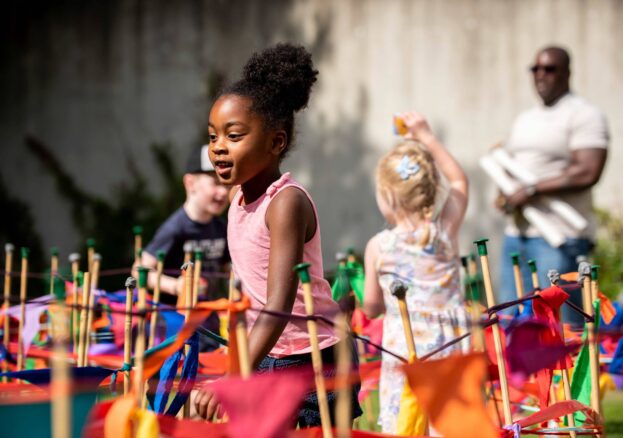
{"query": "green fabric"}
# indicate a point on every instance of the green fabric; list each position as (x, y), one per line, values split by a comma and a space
(581, 381)
(349, 277)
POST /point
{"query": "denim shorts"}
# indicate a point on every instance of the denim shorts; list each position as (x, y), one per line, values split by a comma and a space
(562, 259)
(309, 413)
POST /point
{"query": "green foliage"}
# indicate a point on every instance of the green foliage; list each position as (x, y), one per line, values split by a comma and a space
(110, 221)
(609, 253)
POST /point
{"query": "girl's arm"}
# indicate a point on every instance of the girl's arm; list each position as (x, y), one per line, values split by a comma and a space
(291, 222)
(453, 211)
(373, 304)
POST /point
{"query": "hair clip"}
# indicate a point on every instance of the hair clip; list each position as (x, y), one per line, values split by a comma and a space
(406, 168)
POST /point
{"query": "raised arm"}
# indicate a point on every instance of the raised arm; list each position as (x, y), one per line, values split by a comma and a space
(454, 209)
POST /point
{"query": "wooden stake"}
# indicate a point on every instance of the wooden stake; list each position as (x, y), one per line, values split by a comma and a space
(154, 313)
(22, 309)
(474, 298)
(518, 278)
(138, 243)
(61, 381)
(86, 292)
(95, 265)
(188, 285)
(584, 270)
(343, 414)
(130, 285)
(241, 335)
(90, 253)
(399, 290)
(74, 259)
(197, 276)
(495, 328)
(53, 273)
(6, 333)
(594, 363)
(302, 270)
(139, 353)
(554, 277)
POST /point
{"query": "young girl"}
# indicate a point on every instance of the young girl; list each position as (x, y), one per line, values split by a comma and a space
(420, 249)
(272, 223)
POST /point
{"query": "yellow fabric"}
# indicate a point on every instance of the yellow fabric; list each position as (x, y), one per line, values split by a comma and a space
(412, 421)
(606, 383)
(118, 421)
(146, 424)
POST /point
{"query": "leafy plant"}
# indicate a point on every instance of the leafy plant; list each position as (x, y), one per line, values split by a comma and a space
(609, 252)
(110, 221)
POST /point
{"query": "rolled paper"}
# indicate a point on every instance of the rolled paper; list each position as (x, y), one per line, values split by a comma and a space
(549, 231)
(500, 178)
(515, 168)
(566, 212)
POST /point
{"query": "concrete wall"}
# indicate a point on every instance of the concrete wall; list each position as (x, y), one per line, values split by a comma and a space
(99, 81)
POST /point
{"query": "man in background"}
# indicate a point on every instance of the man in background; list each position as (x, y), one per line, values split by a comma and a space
(564, 141)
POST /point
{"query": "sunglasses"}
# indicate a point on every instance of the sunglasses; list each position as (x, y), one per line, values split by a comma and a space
(549, 69)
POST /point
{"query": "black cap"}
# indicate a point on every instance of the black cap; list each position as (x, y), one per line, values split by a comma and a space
(199, 161)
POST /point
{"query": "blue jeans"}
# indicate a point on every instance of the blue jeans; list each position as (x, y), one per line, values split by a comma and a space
(563, 259)
(309, 413)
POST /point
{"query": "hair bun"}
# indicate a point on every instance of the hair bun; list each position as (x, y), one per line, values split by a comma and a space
(283, 75)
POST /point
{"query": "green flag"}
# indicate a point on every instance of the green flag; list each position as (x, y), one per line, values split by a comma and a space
(581, 381)
(349, 277)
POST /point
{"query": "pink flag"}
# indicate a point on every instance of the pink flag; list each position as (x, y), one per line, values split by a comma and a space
(264, 405)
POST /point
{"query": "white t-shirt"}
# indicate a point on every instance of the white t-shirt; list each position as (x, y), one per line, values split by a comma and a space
(542, 139)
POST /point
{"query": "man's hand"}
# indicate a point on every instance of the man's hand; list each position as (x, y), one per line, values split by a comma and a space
(519, 198)
(206, 404)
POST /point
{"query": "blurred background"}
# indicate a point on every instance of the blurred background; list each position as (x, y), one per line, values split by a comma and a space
(101, 102)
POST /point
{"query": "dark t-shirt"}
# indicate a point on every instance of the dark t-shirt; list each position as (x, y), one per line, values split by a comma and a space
(211, 237)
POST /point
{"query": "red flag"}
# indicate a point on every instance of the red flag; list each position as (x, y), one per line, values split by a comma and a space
(264, 405)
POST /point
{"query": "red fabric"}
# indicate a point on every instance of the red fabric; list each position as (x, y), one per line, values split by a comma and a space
(528, 352)
(264, 405)
(557, 410)
(316, 432)
(547, 308)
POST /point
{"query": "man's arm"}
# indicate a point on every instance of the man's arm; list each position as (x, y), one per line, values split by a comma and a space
(583, 172)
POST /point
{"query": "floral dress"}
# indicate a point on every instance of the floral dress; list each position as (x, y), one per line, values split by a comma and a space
(433, 298)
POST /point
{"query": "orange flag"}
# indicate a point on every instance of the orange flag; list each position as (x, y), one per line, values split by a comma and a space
(451, 392)
(607, 310)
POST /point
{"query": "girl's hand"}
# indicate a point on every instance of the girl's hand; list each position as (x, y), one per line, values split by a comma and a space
(206, 404)
(418, 127)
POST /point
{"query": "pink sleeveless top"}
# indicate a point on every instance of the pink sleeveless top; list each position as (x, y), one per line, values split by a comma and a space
(249, 244)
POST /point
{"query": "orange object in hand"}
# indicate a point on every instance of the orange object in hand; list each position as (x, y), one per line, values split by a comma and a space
(400, 126)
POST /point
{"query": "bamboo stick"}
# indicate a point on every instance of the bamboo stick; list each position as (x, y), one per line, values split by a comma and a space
(554, 278)
(495, 328)
(139, 353)
(61, 381)
(197, 276)
(6, 330)
(154, 313)
(138, 243)
(595, 395)
(86, 291)
(74, 259)
(584, 271)
(130, 285)
(95, 266)
(241, 335)
(22, 309)
(90, 253)
(399, 290)
(188, 286)
(53, 273)
(302, 270)
(343, 410)
(474, 298)
(519, 288)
